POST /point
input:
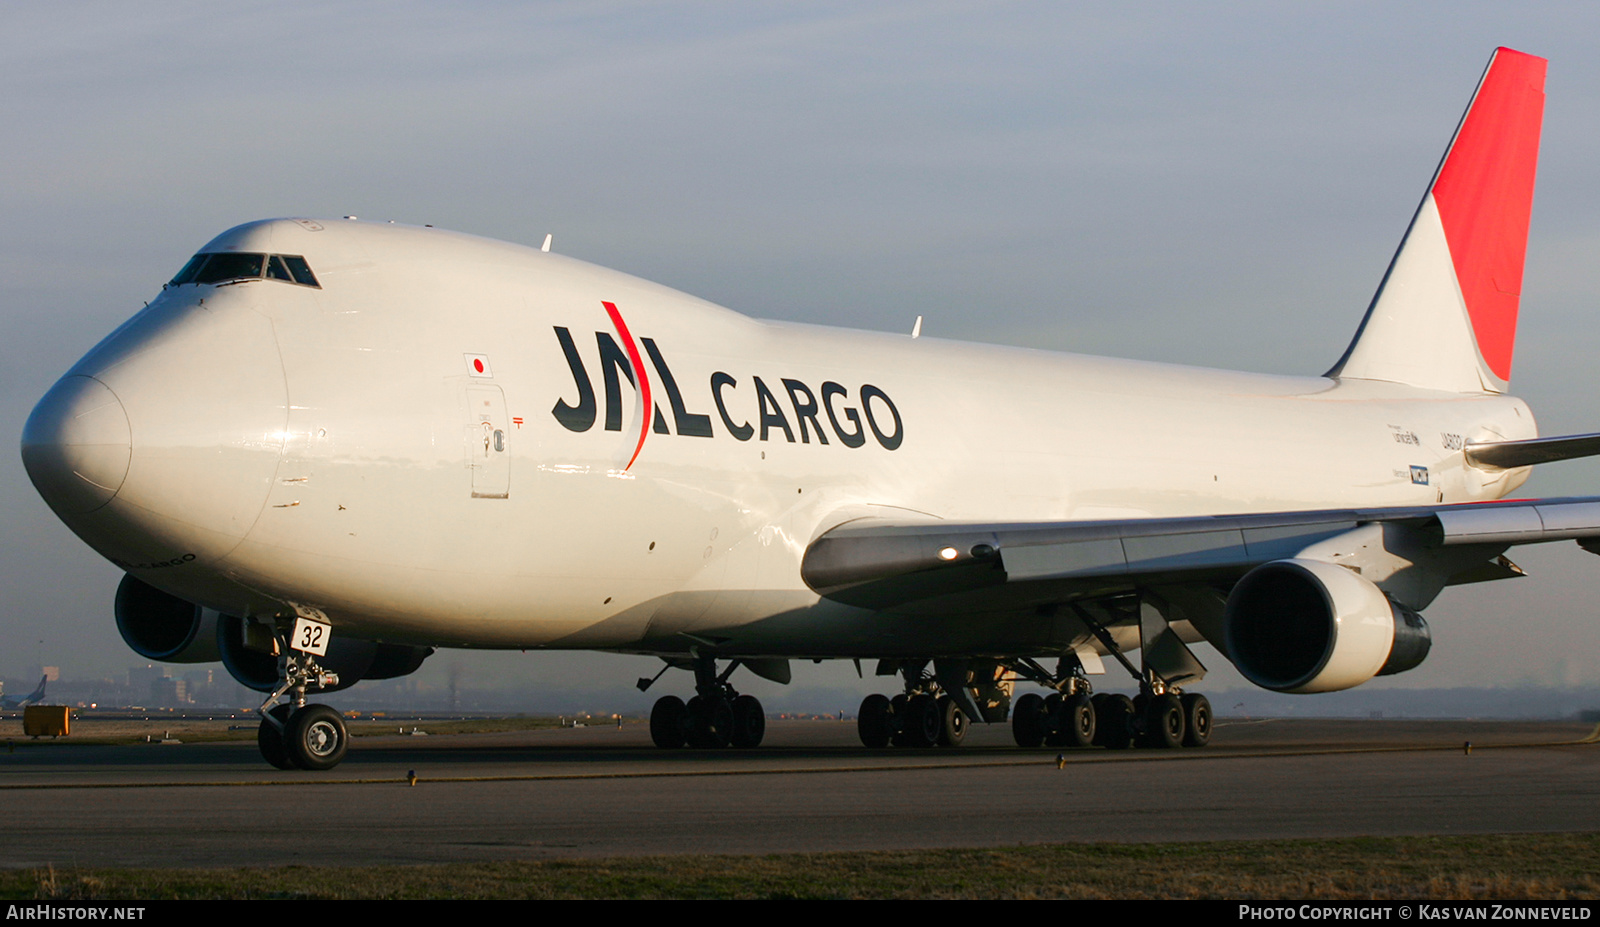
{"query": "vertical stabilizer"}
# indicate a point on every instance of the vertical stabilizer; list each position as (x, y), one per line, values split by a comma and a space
(1445, 315)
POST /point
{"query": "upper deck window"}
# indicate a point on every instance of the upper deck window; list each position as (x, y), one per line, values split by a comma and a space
(233, 267)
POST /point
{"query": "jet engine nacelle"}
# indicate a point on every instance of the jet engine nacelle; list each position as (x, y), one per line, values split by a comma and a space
(161, 626)
(1310, 626)
(246, 652)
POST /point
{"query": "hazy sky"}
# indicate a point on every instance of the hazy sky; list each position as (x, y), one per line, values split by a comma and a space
(1211, 184)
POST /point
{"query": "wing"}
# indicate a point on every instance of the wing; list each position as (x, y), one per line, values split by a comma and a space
(876, 563)
(1299, 601)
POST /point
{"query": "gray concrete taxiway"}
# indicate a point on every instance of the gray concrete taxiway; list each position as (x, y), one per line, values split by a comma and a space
(605, 791)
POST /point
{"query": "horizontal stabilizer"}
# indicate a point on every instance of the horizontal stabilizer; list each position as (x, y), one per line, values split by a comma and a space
(1503, 455)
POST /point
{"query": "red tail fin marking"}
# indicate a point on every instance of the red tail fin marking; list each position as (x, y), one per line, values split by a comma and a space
(1485, 197)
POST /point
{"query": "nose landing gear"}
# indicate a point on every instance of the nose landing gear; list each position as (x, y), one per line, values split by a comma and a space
(294, 734)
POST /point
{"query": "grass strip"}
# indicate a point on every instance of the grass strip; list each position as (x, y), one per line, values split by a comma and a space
(1520, 866)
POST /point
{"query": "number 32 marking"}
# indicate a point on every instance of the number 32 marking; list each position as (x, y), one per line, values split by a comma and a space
(311, 636)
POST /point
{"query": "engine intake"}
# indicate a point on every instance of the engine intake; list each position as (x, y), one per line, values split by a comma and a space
(247, 653)
(161, 626)
(1311, 626)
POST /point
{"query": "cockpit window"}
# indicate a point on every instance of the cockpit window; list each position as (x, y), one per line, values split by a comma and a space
(233, 267)
(301, 270)
(230, 267)
(189, 271)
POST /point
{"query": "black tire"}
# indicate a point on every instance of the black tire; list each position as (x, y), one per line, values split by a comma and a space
(1197, 720)
(710, 722)
(952, 722)
(875, 721)
(1114, 722)
(1098, 703)
(316, 738)
(899, 712)
(269, 740)
(923, 722)
(749, 722)
(1051, 720)
(1077, 721)
(669, 722)
(1163, 723)
(695, 720)
(1027, 721)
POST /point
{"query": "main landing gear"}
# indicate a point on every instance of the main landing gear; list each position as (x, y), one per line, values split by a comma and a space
(921, 716)
(1070, 716)
(1166, 720)
(1161, 716)
(934, 708)
(294, 734)
(717, 716)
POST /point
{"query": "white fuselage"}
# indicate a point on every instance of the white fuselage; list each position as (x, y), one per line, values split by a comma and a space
(335, 448)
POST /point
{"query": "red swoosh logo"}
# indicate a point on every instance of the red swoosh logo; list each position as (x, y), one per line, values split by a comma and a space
(638, 372)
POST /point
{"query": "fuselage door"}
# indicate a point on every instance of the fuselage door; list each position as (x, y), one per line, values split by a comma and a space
(487, 442)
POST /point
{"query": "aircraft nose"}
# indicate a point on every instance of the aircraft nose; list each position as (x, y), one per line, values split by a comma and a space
(160, 446)
(77, 444)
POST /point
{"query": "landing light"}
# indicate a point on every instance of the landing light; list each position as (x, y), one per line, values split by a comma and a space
(949, 553)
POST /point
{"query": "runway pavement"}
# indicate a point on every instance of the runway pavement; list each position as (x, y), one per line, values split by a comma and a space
(604, 791)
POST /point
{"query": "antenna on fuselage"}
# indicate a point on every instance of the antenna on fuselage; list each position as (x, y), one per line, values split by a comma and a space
(546, 246)
(916, 328)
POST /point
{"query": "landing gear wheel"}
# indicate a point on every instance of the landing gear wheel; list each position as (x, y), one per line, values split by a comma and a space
(1163, 723)
(1197, 720)
(315, 738)
(1077, 721)
(1113, 722)
(269, 739)
(875, 721)
(1052, 719)
(1027, 721)
(923, 722)
(749, 722)
(710, 722)
(952, 722)
(669, 722)
(1100, 729)
(899, 715)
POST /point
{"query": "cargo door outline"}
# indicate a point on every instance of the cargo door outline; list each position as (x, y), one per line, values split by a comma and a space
(488, 442)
